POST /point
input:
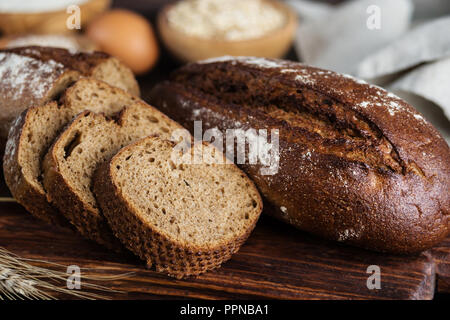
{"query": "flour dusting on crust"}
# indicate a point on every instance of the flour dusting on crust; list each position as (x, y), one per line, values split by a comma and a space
(20, 74)
(378, 98)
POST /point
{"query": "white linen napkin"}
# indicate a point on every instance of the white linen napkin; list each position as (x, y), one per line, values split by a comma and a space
(424, 43)
(338, 38)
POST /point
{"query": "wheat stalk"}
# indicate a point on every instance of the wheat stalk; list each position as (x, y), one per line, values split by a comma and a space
(22, 280)
(7, 199)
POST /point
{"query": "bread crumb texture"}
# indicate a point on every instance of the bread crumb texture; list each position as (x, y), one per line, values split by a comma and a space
(182, 218)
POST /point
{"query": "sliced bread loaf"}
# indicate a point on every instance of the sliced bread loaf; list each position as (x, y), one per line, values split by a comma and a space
(182, 218)
(89, 140)
(36, 128)
(32, 76)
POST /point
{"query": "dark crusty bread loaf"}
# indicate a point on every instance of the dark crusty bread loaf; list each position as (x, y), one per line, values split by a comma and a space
(357, 164)
(181, 218)
(32, 76)
(36, 128)
(89, 140)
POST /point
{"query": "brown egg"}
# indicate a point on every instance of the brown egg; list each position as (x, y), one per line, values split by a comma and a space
(127, 36)
(4, 42)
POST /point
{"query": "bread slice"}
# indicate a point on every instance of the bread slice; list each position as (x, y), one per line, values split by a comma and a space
(182, 218)
(97, 96)
(34, 131)
(98, 65)
(89, 140)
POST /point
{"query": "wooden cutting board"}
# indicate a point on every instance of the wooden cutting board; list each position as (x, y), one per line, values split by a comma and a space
(278, 261)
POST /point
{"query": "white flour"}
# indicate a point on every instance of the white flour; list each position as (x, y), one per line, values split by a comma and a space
(233, 20)
(19, 74)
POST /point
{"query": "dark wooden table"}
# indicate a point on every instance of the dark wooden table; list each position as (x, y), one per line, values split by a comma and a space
(278, 261)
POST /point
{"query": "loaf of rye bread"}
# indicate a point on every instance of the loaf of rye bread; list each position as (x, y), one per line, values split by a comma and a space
(32, 76)
(356, 163)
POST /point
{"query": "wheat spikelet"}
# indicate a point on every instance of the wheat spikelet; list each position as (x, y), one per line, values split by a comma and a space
(13, 287)
(22, 280)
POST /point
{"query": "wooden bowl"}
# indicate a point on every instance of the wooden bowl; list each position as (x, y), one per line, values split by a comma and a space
(48, 21)
(73, 41)
(188, 48)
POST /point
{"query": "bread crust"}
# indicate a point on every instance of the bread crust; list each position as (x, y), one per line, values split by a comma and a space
(166, 255)
(402, 210)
